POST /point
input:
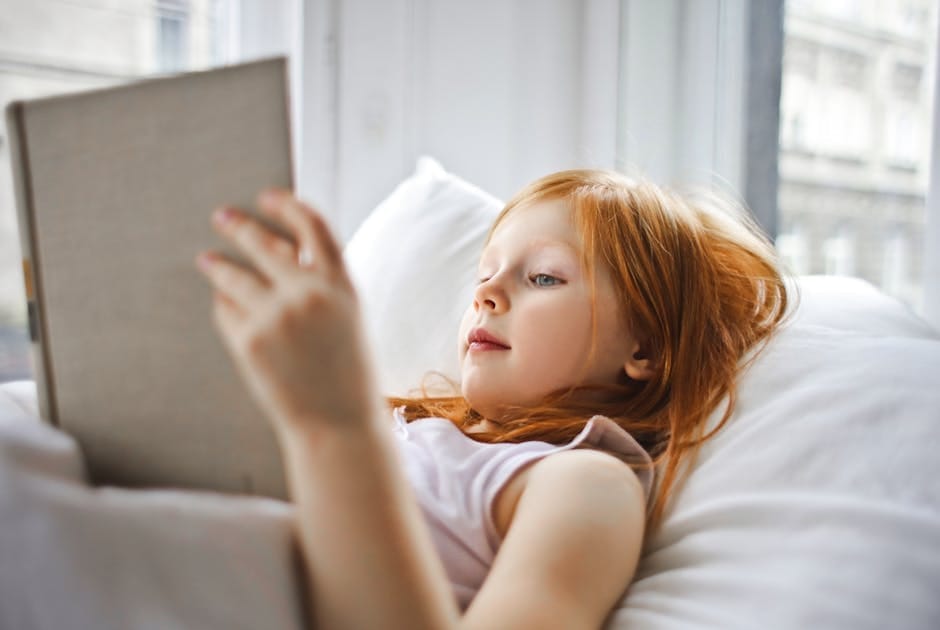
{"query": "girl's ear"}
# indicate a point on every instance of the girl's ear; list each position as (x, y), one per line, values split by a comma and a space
(641, 365)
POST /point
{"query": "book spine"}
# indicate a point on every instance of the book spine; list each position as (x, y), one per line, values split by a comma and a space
(22, 189)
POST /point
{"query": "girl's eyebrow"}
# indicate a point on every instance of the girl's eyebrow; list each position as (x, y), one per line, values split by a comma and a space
(539, 244)
(543, 243)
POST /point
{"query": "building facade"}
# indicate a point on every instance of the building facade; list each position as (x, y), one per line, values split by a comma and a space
(855, 124)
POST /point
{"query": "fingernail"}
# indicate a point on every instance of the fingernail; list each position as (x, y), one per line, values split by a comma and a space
(204, 261)
(223, 215)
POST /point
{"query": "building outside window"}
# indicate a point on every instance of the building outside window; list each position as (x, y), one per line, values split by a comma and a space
(855, 127)
(56, 46)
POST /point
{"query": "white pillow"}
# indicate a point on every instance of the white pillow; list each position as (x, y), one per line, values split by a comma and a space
(816, 506)
(414, 261)
(855, 305)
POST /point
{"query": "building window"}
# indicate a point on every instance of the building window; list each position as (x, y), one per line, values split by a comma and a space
(844, 68)
(906, 81)
(172, 21)
(794, 250)
(839, 253)
(895, 269)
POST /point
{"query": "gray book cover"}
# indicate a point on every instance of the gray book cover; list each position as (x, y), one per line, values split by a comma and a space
(114, 192)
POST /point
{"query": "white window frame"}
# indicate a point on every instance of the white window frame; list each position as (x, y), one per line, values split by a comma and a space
(931, 277)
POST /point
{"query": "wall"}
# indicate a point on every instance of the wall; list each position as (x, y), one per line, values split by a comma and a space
(499, 92)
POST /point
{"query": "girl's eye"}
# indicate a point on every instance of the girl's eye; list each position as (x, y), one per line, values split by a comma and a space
(544, 280)
(482, 280)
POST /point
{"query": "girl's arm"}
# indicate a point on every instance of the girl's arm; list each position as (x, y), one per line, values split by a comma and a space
(572, 543)
(294, 333)
(293, 329)
(370, 562)
(571, 549)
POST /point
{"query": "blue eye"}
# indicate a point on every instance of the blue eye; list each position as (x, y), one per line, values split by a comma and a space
(538, 278)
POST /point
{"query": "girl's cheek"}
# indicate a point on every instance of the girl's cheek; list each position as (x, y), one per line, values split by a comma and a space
(567, 317)
(464, 329)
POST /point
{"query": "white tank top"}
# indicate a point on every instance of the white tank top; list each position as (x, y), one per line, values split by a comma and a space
(456, 479)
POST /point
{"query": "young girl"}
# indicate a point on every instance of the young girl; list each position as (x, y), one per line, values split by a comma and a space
(610, 319)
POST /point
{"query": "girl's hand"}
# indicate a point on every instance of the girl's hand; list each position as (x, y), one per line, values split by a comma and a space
(292, 325)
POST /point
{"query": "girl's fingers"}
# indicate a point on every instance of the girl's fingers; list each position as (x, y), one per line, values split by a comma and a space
(284, 250)
(264, 249)
(230, 321)
(316, 243)
(227, 313)
(241, 287)
(283, 206)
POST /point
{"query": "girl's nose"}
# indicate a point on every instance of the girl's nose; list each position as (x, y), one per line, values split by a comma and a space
(489, 295)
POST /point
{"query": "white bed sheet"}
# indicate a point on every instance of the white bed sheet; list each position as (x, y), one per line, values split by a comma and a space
(76, 557)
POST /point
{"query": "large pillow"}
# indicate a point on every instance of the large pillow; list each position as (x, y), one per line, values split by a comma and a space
(852, 304)
(816, 506)
(414, 260)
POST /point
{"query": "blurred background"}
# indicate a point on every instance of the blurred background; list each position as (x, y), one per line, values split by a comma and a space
(818, 114)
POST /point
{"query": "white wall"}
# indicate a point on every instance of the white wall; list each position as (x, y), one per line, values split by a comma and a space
(500, 92)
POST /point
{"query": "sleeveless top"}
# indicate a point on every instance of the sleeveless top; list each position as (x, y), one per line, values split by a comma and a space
(456, 479)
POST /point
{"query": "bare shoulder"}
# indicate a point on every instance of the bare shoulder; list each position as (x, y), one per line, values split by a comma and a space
(592, 482)
(571, 547)
(587, 465)
(572, 469)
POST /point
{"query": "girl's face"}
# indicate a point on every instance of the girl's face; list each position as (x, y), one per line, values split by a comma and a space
(534, 300)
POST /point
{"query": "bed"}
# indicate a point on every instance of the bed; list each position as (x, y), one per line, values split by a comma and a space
(816, 506)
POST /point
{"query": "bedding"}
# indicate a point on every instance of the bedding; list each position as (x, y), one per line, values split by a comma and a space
(816, 506)
(72, 556)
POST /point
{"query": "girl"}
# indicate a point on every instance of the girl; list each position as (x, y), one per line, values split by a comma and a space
(609, 314)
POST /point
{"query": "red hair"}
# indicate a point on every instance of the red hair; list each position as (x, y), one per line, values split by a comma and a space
(697, 280)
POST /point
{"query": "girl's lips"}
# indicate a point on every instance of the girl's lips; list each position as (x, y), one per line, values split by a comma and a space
(483, 346)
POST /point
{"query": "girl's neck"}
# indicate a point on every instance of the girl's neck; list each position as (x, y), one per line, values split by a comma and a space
(481, 426)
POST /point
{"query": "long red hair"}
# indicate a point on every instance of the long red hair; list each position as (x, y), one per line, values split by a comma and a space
(697, 279)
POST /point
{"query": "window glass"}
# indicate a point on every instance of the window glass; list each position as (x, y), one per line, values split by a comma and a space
(855, 128)
(56, 46)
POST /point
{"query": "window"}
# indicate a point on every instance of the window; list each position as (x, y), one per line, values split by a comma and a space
(906, 81)
(172, 22)
(839, 253)
(855, 127)
(794, 249)
(895, 270)
(53, 46)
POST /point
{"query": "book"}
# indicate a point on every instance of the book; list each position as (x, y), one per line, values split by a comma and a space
(114, 191)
